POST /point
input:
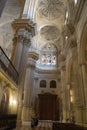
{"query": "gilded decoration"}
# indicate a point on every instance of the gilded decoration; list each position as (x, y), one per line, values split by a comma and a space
(50, 9)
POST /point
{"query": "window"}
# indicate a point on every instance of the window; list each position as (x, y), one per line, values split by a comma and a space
(48, 55)
(43, 83)
(53, 84)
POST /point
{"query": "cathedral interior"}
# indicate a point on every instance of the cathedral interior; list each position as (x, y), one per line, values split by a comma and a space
(43, 63)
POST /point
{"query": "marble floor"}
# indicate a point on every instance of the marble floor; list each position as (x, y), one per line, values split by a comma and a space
(42, 125)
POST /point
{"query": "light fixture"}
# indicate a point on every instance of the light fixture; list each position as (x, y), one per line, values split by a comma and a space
(13, 102)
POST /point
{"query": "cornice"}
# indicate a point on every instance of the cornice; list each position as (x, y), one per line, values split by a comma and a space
(23, 23)
(40, 71)
(7, 80)
(33, 55)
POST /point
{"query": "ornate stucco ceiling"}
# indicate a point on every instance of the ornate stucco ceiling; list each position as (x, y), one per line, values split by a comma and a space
(50, 17)
(50, 33)
(50, 9)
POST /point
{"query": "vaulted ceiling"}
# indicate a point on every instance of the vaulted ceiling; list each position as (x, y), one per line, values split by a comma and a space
(11, 11)
(49, 16)
(50, 19)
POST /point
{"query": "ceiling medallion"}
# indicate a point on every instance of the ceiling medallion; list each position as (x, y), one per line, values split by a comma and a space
(50, 33)
(50, 9)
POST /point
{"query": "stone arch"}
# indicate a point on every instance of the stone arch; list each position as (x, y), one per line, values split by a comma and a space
(53, 84)
(82, 46)
(4, 105)
(82, 54)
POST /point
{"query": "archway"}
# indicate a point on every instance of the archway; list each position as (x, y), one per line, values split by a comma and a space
(4, 106)
(83, 61)
(48, 107)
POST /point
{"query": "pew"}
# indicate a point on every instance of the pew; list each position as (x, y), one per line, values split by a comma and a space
(67, 126)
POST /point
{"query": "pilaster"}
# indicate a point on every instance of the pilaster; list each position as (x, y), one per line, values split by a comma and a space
(23, 33)
(28, 108)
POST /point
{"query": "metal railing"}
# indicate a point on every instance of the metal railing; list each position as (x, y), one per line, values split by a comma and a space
(8, 67)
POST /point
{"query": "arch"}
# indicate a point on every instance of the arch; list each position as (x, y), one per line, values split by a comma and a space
(52, 84)
(48, 55)
(82, 46)
(4, 105)
(43, 83)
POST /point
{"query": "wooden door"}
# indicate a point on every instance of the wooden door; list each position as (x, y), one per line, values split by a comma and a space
(47, 106)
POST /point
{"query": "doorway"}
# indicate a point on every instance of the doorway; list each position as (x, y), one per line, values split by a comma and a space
(47, 106)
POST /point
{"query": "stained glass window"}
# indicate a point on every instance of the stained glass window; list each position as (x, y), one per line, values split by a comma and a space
(48, 55)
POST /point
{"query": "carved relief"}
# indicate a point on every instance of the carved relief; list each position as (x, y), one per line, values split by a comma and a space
(23, 36)
(50, 9)
(50, 33)
(73, 44)
(68, 30)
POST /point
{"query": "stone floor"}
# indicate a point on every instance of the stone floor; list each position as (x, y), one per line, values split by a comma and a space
(42, 125)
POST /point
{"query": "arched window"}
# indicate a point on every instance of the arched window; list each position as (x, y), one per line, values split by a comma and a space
(48, 55)
(52, 84)
(43, 83)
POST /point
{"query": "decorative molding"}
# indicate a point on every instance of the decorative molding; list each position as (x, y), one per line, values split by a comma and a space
(50, 9)
(7, 81)
(78, 12)
(68, 29)
(50, 33)
(32, 54)
(73, 44)
(23, 24)
(61, 58)
(56, 71)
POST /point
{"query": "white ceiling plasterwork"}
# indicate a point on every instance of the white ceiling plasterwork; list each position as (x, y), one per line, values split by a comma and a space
(49, 18)
(50, 9)
(50, 33)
